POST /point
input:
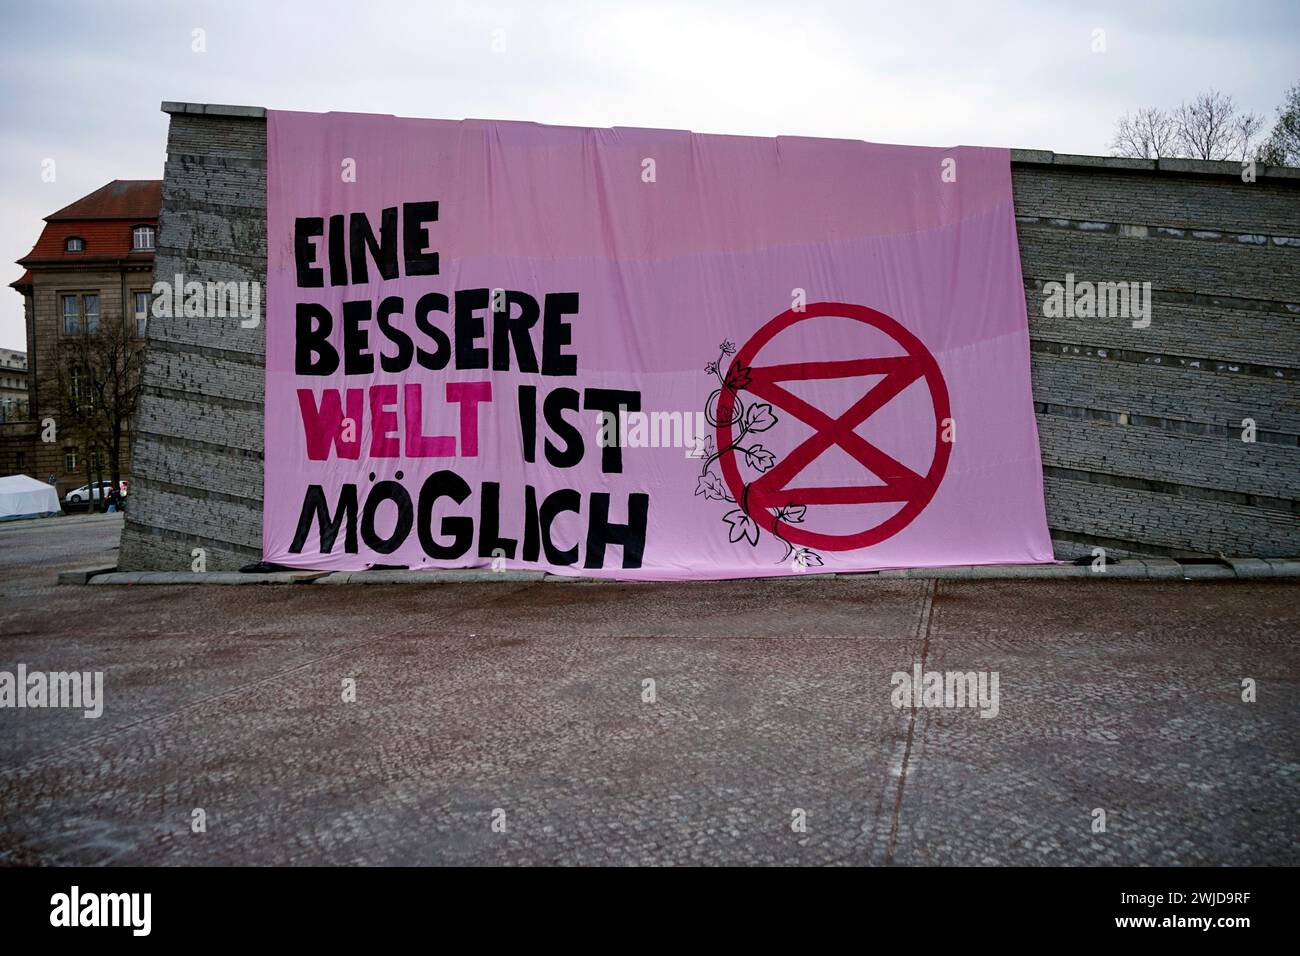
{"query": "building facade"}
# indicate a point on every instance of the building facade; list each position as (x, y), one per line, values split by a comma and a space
(13, 386)
(86, 291)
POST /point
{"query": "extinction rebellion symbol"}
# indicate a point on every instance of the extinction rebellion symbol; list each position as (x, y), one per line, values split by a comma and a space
(771, 501)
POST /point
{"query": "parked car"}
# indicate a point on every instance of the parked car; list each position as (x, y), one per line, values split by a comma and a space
(83, 494)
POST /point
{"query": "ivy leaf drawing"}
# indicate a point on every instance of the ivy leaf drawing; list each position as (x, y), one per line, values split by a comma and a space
(710, 486)
(742, 526)
(759, 458)
(794, 514)
(738, 377)
(708, 446)
(807, 558)
(759, 417)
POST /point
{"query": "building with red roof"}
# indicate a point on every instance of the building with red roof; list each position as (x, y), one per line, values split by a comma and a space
(89, 274)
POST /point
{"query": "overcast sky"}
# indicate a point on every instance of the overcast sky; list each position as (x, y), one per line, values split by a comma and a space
(81, 82)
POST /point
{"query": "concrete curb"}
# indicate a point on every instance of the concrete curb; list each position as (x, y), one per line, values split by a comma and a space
(431, 576)
(63, 520)
(1252, 567)
(83, 575)
(1131, 569)
(205, 577)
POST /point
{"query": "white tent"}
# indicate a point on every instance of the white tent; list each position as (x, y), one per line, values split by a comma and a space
(24, 497)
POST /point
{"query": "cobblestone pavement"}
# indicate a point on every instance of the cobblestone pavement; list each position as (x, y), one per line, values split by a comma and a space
(770, 697)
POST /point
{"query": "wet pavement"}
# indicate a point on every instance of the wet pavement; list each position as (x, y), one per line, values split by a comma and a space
(512, 723)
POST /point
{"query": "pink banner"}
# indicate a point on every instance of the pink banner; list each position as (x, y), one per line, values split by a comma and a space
(644, 354)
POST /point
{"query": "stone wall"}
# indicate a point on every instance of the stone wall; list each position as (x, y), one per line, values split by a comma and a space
(1141, 428)
(197, 466)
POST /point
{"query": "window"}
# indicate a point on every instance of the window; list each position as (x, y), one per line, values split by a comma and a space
(90, 305)
(71, 315)
(80, 313)
(74, 244)
(22, 461)
(141, 313)
(81, 392)
(142, 238)
(70, 459)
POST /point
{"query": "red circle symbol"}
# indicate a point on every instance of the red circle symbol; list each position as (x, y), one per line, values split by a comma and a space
(772, 490)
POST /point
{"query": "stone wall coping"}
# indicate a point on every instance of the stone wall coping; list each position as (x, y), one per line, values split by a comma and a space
(1019, 157)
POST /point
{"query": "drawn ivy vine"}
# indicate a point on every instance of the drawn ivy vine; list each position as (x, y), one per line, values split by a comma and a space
(746, 419)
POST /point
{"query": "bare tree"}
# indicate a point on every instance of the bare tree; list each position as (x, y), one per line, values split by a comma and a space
(1146, 134)
(1211, 127)
(1249, 126)
(99, 384)
(1283, 145)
